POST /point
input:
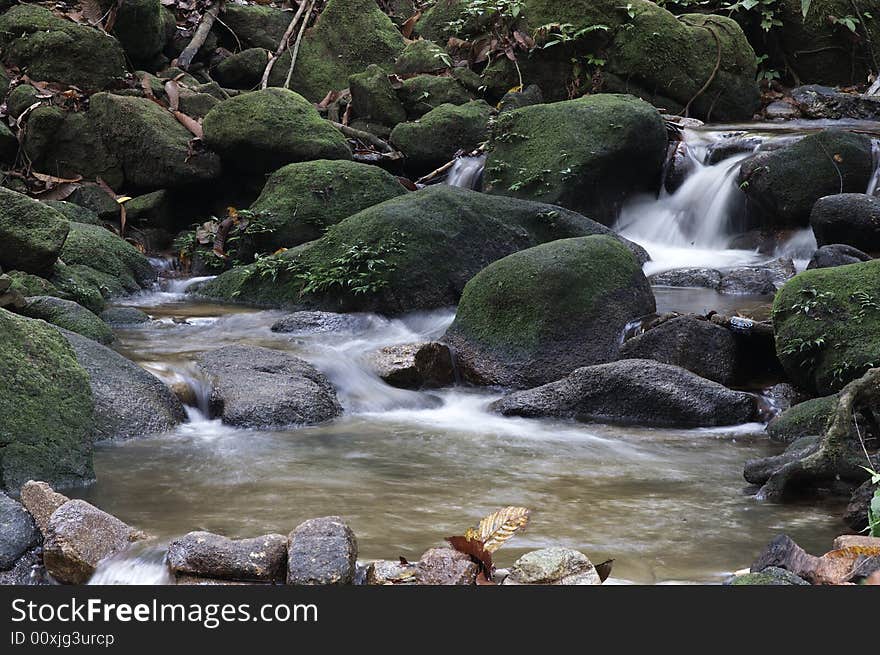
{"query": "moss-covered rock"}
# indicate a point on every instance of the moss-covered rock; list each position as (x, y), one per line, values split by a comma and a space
(422, 56)
(804, 419)
(588, 154)
(374, 98)
(76, 213)
(770, 576)
(31, 234)
(8, 145)
(300, 201)
(447, 18)
(264, 130)
(783, 185)
(348, 36)
(151, 146)
(243, 70)
(101, 250)
(58, 50)
(536, 315)
(20, 98)
(82, 285)
(32, 285)
(254, 26)
(422, 93)
(140, 29)
(413, 252)
(152, 210)
(68, 315)
(438, 135)
(827, 325)
(45, 407)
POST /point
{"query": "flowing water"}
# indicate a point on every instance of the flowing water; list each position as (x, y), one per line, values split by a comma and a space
(409, 468)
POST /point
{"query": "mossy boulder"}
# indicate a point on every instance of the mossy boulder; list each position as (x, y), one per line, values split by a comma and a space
(808, 418)
(83, 285)
(68, 315)
(447, 18)
(243, 70)
(421, 56)
(348, 36)
(374, 98)
(300, 201)
(781, 186)
(118, 264)
(769, 577)
(413, 252)
(77, 213)
(422, 93)
(31, 234)
(57, 50)
(538, 314)
(140, 29)
(32, 285)
(152, 147)
(827, 325)
(8, 145)
(588, 155)
(438, 135)
(264, 130)
(254, 26)
(20, 98)
(46, 409)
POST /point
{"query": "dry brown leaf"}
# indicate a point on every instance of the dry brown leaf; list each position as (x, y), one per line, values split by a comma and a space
(51, 179)
(189, 123)
(497, 528)
(172, 90)
(409, 24)
(58, 192)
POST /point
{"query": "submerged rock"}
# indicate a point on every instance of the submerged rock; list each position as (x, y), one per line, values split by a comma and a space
(123, 316)
(322, 551)
(415, 365)
(68, 315)
(18, 533)
(444, 566)
(553, 566)
(262, 388)
(311, 322)
(836, 255)
(207, 555)
(633, 392)
(31, 234)
(848, 218)
(538, 314)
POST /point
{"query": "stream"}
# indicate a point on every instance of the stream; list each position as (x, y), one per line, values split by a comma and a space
(407, 469)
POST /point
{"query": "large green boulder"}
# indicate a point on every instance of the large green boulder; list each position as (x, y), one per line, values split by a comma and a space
(588, 155)
(373, 97)
(254, 26)
(243, 70)
(348, 36)
(413, 252)
(436, 137)
(83, 285)
(140, 29)
(264, 130)
(423, 93)
(300, 201)
(68, 315)
(538, 314)
(57, 50)
(422, 56)
(781, 186)
(805, 419)
(827, 325)
(45, 407)
(31, 234)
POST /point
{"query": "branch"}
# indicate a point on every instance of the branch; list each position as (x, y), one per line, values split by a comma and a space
(282, 45)
(293, 55)
(366, 137)
(184, 61)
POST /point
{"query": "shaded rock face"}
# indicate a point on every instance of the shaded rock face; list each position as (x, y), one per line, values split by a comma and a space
(313, 322)
(444, 566)
(120, 316)
(27, 570)
(46, 408)
(41, 501)
(415, 366)
(262, 388)
(553, 566)
(243, 70)
(129, 401)
(18, 533)
(633, 392)
(764, 280)
(31, 234)
(823, 102)
(68, 315)
(701, 347)
(78, 537)
(781, 186)
(424, 93)
(836, 255)
(207, 555)
(852, 219)
(374, 99)
(856, 513)
(537, 315)
(322, 551)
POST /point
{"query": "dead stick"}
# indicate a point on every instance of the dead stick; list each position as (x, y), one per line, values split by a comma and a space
(282, 45)
(366, 137)
(302, 29)
(189, 52)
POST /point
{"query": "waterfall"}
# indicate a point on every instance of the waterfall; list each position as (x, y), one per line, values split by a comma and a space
(137, 565)
(467, 172)
(874, 183)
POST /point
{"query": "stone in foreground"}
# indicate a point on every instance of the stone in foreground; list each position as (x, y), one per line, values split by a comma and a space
(41, 501)
(444, 566)
(415, 365)
(207, 555)
(18, 533)
(553, 566)
(322, 551)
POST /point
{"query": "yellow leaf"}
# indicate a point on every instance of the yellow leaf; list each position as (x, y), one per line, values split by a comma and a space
(122, 199)
(497, 528)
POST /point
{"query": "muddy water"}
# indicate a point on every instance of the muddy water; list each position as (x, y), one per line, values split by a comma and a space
(407, 469)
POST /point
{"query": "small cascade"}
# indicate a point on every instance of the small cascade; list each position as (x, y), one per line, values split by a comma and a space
(874, 183)
(138, 565)
(189, 384)
(467, 172)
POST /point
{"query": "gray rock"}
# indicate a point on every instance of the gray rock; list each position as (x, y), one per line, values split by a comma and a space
(18, 533)
(322, 551)
(41, 501)
(848, 218)
(765, 279)
(837, 255)
(207, 555)
(553, 566)
(312, 322)
(697, 345)
(697, 278)
(260, 387)
(386, 572)
(129, 401)
(27, 570)
(818, 102)
(633, 392)
(415, 365)
(771, 576)
(124, 316)
(781, 110)
(444, 566)
(79, 536)
(856, 513)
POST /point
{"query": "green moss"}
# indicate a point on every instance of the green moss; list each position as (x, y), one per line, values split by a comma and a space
(348, 36)
(254, 26)
(101, 250)
(421, 56)
(374, 98)
(58, 50)
(20, 98)
(827, 325)
(806, 418)
(769, 577)
(68, 315)
(266, 129)
(243, 70)
(423, 93)
(46, 411)
(73, 285)
(31, 285)
(438, 135)
(300, 201)
(31, 233)
(140, 28)
(587, 154)
(74, 213)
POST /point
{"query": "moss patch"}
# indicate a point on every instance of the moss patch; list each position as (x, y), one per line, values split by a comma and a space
(31, 233)
(424, 93)
(99, 249)
(68, 315)
(804, 419)
(374, 98)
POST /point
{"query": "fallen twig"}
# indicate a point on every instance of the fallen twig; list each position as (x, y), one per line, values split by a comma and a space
(295, 52)
(184, 61)
(366, 137)
(282, 45)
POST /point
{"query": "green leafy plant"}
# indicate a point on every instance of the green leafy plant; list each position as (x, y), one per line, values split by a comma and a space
(874, 506)
(812, 300)
(361, 269)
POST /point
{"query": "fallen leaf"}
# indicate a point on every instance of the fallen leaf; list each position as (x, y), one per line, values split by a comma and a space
(172, 90)
(189, 123)
(407, 28)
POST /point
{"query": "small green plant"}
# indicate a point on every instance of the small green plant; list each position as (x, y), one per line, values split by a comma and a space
(811, 302)
(874, 506)
(361, 269)
(866, 304)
